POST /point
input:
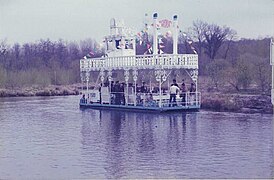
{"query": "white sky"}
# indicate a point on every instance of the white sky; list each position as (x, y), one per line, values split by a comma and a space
(30, 20)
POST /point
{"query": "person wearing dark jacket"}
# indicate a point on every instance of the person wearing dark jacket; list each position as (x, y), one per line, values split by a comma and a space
(144, 88)
(117, 93)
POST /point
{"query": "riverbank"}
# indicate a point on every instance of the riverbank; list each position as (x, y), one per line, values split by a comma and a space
(216, 101)
(243, 103)
(41, 91)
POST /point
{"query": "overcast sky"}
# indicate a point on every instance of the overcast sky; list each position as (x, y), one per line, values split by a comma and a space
(30, 20)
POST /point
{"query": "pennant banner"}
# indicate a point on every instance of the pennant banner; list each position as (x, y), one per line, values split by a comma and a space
(165, 23)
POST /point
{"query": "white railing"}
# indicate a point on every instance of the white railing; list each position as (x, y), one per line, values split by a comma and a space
(187, 99)
(167, 61)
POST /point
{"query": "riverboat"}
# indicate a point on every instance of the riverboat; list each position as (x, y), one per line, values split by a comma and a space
(120, 55)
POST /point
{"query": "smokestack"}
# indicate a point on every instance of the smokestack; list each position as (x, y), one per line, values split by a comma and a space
(175, 34)
(155, 34)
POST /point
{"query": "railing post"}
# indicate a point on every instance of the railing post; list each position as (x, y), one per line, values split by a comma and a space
(196, 93)
(135, 74)
(160, 75)
(126, 74)
(186, 104)
(160, 92)
(200, 99)
(87, 79)
(102, 74)
(109, 84)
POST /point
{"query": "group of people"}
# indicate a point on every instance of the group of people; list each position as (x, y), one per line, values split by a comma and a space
(117, 93)
(175, 89)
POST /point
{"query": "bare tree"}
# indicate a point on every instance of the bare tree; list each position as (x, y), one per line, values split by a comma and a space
(230, 39)
(215, 36)
(4, 50)
(211, 37)
(197, 31)
(3, 47)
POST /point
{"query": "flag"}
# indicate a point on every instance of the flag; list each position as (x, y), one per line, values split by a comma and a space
(165, 23)
(89, 55)
(157, 25)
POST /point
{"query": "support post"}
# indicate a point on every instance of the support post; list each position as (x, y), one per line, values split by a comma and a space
(150, 86)
(109, 84)
(82, 80)
(175, 35)
(126, 73)
(194, 76)
(161, 76)
(160, 92)
(135, 76)
(155, 34)
(102, 74)
(196, 92)
(87, 79)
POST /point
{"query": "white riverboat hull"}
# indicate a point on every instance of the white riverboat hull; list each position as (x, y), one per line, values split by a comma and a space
(139, 108)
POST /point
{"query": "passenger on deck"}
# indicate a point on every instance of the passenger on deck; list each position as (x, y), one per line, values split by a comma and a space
(183, 93)
(117, 93)
(150, 97)
(192, 91)
(100, 92)
(138, 89)
(149, 101)
(175, 83)
(173, 90)
(122, 94)
(83, 99)
(112, 95)
(144, 88)
(106, 84)
(112, 86)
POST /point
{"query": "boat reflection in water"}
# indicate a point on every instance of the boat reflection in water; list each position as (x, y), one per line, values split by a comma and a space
(133, 142)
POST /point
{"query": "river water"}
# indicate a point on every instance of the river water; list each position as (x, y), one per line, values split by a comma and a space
(50, 137)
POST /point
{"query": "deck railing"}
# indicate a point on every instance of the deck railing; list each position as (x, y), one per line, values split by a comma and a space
(168, 61)
(149, 99)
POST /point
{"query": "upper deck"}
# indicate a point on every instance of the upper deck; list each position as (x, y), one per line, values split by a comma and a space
(158, 61)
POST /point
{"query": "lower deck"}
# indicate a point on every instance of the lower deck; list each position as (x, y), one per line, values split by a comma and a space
(143, 102)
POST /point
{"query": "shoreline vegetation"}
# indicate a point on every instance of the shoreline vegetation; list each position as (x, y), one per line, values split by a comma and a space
(216, 101)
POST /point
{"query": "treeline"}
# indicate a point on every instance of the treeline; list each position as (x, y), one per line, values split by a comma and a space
(229, 63)
(43, 63)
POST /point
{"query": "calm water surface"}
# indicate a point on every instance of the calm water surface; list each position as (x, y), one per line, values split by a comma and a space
(52, 138)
